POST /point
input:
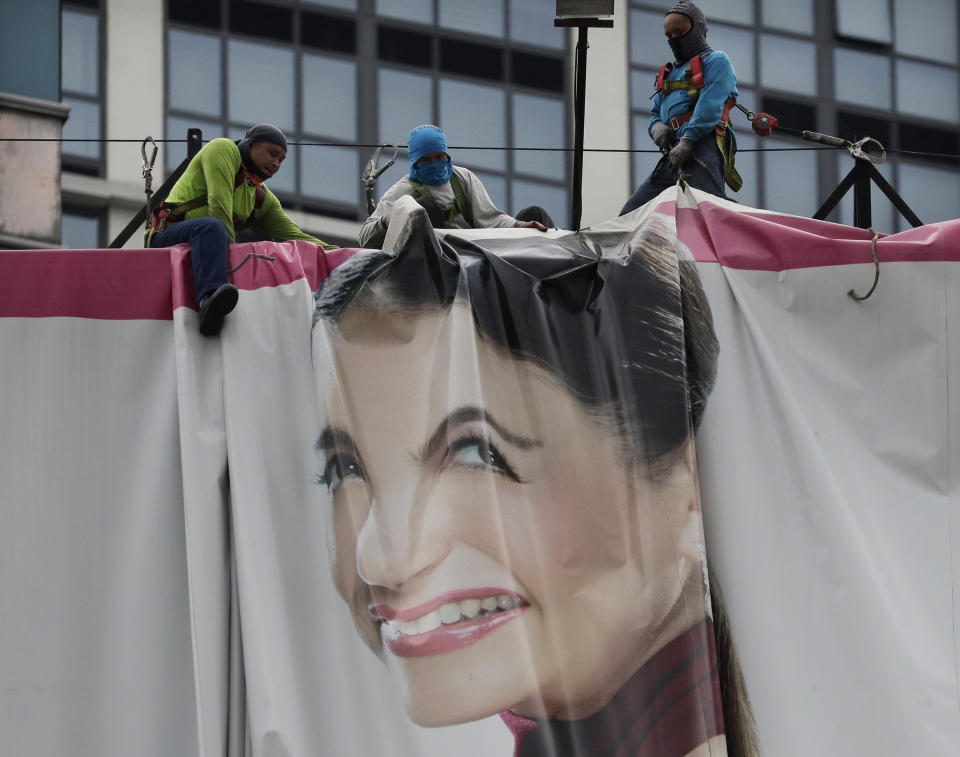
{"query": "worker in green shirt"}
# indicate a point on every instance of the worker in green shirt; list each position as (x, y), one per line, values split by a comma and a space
(221, 191)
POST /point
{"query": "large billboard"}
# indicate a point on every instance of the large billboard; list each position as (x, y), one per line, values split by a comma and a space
(479, 493)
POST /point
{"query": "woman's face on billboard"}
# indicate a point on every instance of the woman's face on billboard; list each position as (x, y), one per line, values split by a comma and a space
(487, 530)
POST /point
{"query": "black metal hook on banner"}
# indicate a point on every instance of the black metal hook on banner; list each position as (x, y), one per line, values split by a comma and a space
(876, 271)
(246, 259)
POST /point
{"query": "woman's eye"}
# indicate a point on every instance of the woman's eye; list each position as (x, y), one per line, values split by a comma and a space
(338, 468)
(478, 453)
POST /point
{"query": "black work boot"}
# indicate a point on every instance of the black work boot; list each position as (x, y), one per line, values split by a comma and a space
(214, 308)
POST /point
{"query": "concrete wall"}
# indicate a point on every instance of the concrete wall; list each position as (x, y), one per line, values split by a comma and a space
(30, 172)
(606, 176)
(135, 67)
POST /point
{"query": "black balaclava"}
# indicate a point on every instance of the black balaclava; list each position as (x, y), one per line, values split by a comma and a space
(259, 133)
(694, 41)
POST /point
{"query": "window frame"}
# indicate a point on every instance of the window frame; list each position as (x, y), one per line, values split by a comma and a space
(367, 66)
(89, 166)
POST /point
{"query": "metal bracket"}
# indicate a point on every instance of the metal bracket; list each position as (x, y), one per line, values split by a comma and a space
(860, 177)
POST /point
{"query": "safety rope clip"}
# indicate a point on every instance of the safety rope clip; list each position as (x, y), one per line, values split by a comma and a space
(859, 149)
(371, 173)
(148, 164)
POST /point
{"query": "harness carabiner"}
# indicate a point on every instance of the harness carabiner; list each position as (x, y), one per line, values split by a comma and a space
(147, 171)
(371, 172)
(762, 123)
(859, 149)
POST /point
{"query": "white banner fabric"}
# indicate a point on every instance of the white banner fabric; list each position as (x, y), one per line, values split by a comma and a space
(164, 569)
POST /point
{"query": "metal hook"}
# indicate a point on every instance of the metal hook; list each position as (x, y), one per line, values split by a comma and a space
(746, 111)
(371, 173)
(876, 276)
(147, 174)
(246, 258)
(859, 149)
(148, 164)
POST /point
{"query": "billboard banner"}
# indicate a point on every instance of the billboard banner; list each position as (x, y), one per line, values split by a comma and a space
(662, 487)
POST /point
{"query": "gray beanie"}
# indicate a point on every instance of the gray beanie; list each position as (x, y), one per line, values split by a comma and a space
(259, 133)
(264, 133)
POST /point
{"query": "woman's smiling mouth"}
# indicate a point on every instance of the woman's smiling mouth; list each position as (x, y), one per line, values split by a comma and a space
(437, 627)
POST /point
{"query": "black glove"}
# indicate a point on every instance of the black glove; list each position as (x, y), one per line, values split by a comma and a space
(681, 153)
(663, 135)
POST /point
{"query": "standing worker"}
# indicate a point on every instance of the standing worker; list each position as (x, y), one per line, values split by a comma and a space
(689, 121)
(220, 192)
(453, 197)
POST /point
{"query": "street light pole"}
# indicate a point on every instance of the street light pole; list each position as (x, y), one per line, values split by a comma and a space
(582, 23)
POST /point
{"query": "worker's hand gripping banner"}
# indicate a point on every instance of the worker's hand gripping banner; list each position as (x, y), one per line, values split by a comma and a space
(507, 458)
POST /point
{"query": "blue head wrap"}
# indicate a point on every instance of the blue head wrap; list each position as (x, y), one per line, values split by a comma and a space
(424, 140)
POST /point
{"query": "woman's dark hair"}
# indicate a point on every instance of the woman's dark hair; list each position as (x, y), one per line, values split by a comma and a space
(619, 318)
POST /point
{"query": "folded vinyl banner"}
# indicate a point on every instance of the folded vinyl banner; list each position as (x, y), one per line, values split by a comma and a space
(621, 492)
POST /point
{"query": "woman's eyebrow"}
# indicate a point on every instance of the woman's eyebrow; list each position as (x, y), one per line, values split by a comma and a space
(470, 414)
(332, 438)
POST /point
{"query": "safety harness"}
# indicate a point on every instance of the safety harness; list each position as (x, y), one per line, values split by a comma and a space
(167, 213)
(421, 193)
(692, 82)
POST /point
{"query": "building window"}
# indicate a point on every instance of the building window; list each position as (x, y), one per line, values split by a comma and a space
(492, 75)
(926, 29)
(420, 11)
(648, 46)
(864, 19)
(788, 64)
(81, 84)
(932, 192)
(740, 44)
(928, 89)
(738, 11)
(795, 16)
(480, 18)
(82, 229)
(862, 78)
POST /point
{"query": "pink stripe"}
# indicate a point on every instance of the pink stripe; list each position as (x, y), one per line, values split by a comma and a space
(141, 284)
(138, 284)
(114, 284)
(750, 240)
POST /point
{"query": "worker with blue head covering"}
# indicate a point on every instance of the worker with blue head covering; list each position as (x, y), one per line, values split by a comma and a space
(453, 196)
(429, 161)
(689, 119)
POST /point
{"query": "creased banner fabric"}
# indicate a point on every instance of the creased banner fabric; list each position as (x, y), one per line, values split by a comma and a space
(481, 492)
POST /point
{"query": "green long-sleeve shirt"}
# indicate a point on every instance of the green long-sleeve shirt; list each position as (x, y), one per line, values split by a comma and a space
(212, 173)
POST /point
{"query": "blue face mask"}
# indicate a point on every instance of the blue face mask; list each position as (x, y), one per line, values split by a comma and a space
(436, 172)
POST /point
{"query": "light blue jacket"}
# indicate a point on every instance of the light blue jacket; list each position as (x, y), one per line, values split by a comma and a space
(719, 84)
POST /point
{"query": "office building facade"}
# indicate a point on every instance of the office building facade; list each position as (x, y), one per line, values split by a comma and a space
(341, 76)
